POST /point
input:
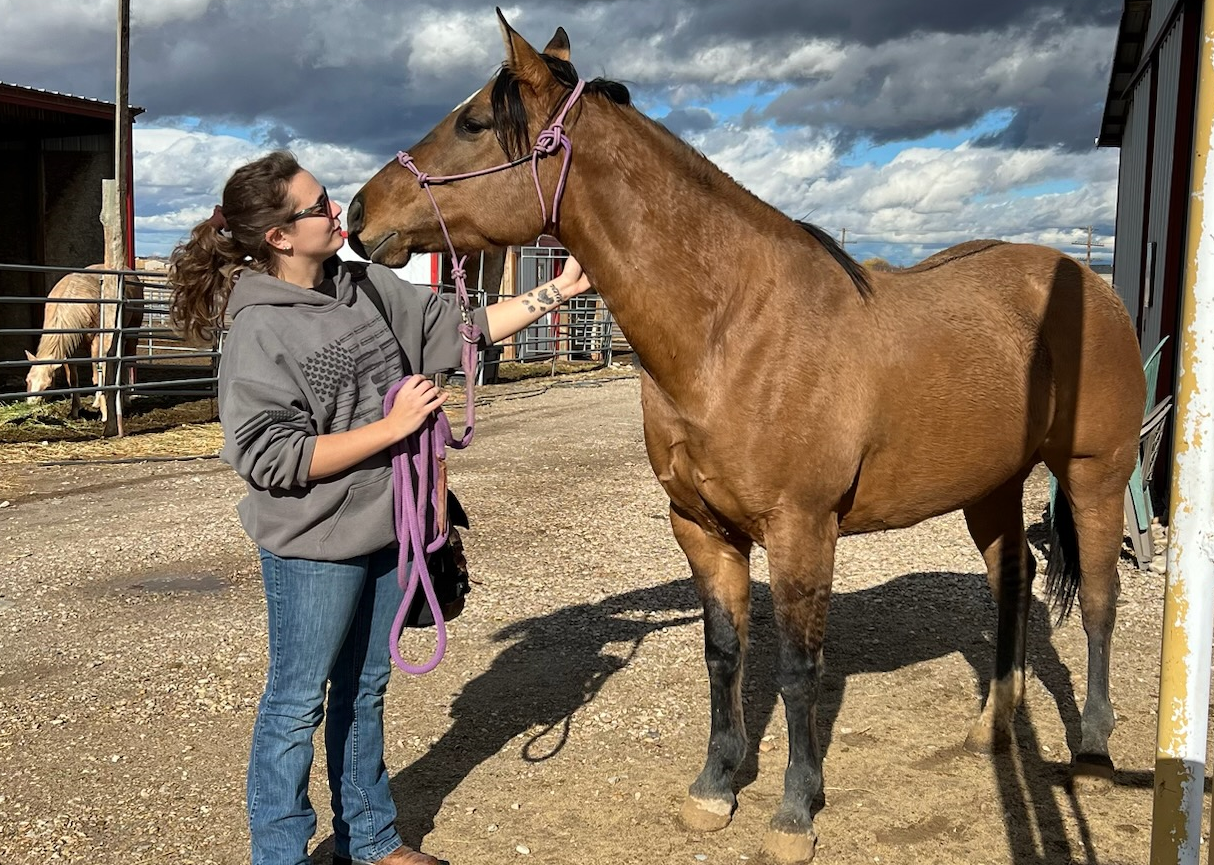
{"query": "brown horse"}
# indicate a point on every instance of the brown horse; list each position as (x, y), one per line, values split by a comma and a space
(790, 396)
(65, 347)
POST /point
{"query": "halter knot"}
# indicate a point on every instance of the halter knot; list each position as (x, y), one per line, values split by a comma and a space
(550, 140)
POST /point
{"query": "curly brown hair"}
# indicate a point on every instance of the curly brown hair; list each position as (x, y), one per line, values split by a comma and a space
(203, 269)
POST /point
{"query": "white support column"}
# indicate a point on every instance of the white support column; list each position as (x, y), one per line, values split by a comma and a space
(1188, 626)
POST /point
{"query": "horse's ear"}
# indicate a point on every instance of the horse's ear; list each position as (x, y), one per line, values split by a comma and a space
(521, 59)
(30, 357)
(558, 45)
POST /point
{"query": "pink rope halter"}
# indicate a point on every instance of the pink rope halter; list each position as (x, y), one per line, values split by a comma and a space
(420, 455)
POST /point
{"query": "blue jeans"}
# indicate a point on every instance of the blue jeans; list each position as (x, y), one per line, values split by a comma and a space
(328, 622)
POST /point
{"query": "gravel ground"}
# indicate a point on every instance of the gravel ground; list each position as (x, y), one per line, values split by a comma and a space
(571, 711)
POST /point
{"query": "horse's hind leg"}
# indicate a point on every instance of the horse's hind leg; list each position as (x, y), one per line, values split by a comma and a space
(997, 526)
(721, 571)
(802, 556)
(1095, 490)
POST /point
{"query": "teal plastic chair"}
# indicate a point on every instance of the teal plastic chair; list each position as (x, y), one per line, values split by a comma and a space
(1138, 510)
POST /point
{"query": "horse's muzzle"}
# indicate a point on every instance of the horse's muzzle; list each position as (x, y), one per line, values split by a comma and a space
(354, 224)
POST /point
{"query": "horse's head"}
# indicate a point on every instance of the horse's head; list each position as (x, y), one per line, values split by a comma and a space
(392, 217)
(40, 377)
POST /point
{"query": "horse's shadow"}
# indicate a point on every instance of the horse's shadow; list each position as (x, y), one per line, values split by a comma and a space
(557, 663)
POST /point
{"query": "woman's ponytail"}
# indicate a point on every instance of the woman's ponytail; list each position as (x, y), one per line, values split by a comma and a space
(203, 269)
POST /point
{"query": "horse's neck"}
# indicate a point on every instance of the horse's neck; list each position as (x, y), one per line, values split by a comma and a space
(64, 316)
(58, 345)
(660, 235)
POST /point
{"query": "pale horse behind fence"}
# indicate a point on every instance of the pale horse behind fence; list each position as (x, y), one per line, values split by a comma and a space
(80, 317)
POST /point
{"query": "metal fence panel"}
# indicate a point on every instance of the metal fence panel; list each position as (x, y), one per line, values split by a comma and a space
(159, 363)
(151, 358)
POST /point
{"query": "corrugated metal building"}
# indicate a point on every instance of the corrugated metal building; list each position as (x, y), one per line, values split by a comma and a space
(56, 151)
(1148, 114)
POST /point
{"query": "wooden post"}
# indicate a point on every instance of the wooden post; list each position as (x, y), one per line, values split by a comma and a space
(114, 218)
(508, 289)
(115, 255)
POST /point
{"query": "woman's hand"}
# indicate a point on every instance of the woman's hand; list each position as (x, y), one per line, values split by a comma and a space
(573, 280)
(336, 452)
(417, 398)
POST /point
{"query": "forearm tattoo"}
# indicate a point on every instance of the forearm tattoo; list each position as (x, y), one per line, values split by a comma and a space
(548, 296)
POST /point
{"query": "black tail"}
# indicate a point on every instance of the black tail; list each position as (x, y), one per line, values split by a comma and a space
(1062, 566)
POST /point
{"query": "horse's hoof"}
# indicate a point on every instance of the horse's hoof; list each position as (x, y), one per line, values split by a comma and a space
(789, 848)
(1092, 773)
(988, 740)
(706, 815)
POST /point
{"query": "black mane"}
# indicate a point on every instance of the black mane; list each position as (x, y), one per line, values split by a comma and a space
(510, 122)
(856, 272)
(510, 114)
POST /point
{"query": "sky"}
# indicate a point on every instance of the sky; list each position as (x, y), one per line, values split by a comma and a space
(902, 126)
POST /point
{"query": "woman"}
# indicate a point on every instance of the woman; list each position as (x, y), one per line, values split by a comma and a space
(305, 366)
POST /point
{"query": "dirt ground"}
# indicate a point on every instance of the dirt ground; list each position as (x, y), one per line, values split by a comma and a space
(571, 711)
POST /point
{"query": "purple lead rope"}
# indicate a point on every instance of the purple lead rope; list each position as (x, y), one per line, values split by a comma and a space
(419, 456)
(415, 487)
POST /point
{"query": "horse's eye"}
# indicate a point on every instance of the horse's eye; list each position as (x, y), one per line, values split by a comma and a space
(472, 125)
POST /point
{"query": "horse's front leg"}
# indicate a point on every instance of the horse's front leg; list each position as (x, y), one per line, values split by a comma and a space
(801, 553)
(721, 571)
(69, 375)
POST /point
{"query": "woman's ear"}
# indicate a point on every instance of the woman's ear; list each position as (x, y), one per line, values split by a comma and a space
(278, 239)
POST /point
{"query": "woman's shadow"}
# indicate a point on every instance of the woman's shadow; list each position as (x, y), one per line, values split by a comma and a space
(557, 663)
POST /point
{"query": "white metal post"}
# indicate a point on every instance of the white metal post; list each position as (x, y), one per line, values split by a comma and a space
(1184, 677)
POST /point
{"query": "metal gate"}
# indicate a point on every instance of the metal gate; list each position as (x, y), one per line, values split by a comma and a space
(579, 330)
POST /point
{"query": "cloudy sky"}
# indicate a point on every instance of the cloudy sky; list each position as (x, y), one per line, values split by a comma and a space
(911, 125)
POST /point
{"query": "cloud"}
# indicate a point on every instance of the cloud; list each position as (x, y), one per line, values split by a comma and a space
(875, 22)
(378, 74)
(181, 176)
(934, 82)
(923, 199)
(779, 91)
(685, 120)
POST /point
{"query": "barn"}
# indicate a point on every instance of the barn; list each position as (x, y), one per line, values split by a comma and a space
(1149, 117)
(57, 150)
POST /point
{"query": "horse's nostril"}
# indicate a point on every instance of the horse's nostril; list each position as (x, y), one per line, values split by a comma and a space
(354, 217)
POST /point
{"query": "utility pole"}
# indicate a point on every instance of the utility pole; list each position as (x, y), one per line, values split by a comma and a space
(122, 131)
(844, 241)
(1089, 244)
(114, 219)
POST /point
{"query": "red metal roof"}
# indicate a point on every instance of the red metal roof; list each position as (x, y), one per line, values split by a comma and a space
(32, 97)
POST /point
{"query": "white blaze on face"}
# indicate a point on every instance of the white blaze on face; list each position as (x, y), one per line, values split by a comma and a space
(39, 378)
(471, 96)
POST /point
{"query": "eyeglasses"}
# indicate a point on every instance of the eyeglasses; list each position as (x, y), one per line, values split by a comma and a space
(320, 208)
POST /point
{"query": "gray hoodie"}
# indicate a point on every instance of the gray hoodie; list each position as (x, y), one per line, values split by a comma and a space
(301, 363)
